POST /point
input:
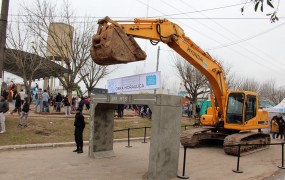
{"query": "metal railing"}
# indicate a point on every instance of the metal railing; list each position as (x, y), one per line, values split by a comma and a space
(183, 176)
(237, 170)
(145, 128)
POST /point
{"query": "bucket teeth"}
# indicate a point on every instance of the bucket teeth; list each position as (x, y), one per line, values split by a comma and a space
(114, 46)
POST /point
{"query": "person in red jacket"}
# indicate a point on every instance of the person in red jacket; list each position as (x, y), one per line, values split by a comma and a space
(66, 102)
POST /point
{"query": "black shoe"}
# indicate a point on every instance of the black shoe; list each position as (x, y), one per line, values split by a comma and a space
(79, 151)
(26, 125)
(20, 125)
(76, 150)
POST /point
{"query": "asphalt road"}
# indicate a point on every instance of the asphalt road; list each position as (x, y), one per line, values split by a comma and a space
(132, 164)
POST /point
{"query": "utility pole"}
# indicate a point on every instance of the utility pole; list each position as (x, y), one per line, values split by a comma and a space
(157, 62)
(3, 28)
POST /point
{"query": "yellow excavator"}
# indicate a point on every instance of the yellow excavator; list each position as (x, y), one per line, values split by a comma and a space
(234, 117)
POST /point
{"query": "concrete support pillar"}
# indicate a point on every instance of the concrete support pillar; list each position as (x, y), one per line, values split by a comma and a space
(103, 131)
(164, 143)
(165, 130)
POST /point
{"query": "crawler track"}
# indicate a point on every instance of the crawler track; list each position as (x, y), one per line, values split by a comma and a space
(198, 136)
(246, 138)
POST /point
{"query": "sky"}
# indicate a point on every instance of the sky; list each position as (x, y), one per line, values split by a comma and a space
(248, 42)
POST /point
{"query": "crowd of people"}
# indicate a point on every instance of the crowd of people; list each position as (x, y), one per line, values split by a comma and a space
(20, 103)
(43, 99)
(278, 127)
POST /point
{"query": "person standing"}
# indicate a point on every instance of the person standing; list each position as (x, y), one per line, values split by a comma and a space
(14, 94)
(87, 102)
(198, 109)
(5, 94)
(66, 102)
(4, 107)
(25, 112)
(18, 104)
(189, 108)
(22, 95)
(120, 110)
(78, 99)
(81, 103)
(39, 100)
(281, 125)
(274, 127)
(79, 125)
(58, 100)
(45, 98)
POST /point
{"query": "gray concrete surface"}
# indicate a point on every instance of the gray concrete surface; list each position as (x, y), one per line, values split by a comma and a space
(132, 163)
(165, 131)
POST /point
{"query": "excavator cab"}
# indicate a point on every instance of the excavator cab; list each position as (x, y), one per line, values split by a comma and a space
(235, 106)
(242, 112)
(111, 45)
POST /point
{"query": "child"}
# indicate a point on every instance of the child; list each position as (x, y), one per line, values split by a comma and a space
(25, 112)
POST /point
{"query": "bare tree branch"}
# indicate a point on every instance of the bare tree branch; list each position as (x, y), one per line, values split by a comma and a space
(71, 46)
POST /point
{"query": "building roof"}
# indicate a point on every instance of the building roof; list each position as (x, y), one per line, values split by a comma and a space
(30, 61)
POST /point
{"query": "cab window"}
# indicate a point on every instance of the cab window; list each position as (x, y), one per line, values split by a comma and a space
(250, 111)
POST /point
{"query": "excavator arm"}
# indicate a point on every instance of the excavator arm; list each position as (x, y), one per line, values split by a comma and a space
(114, 44)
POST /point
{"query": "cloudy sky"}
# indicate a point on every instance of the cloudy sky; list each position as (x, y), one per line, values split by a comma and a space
(247, 41)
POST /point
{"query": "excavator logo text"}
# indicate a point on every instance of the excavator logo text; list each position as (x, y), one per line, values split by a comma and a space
(193, 53)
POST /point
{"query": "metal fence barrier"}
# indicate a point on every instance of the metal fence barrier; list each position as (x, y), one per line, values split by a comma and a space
(144, 139)
(237, 170)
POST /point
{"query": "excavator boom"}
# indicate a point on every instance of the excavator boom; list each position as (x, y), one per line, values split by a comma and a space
(114, 44)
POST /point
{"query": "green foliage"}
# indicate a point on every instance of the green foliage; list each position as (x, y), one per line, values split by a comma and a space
(259, 5)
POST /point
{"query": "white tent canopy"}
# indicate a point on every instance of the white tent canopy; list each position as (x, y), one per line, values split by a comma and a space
(279, 108)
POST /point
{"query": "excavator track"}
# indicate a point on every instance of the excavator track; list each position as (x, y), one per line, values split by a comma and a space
(246, 138)
(198, 136)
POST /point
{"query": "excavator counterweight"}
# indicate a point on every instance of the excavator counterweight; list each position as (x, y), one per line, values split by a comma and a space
(114, 46)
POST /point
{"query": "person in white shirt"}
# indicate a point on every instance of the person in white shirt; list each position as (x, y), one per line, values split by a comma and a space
(78, 99)
(45, 97)
(22, 95)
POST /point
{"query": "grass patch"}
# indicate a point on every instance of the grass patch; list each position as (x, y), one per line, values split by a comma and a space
(46, 129)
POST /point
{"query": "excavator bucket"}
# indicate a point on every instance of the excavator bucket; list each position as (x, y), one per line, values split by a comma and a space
(114, 46)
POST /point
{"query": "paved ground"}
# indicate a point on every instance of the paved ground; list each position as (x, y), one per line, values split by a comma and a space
(132, 163)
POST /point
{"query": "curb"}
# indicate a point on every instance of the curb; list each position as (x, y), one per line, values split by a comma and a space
(52, 145)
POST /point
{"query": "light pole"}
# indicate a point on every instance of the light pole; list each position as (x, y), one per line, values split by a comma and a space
(157, 62)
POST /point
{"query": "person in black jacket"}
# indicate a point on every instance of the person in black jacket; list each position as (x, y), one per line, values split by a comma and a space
(66, 102)
(4, 107)
(18, 104)
(58, 100)
(25, 112)
(79, 124)
(281, 125)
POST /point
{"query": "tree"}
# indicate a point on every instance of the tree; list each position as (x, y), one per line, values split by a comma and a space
(259, 4)
(249, 84)
(20, 40)
(93, 74)
(70, 47)
(270, 91)
(195, 83)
